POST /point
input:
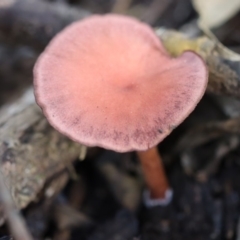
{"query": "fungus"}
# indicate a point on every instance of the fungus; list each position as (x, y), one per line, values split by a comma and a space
(108, 81)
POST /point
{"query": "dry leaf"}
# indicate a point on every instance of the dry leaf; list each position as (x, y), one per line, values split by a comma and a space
(213, 13)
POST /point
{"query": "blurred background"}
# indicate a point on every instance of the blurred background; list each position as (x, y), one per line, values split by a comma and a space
(65, 191)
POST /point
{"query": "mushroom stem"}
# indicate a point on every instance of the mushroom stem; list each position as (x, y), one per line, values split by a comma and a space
(154, 173)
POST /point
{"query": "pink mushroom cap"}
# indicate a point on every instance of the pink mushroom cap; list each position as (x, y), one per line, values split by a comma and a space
(108, 81)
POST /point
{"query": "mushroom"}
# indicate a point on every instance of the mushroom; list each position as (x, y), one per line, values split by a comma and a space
(108, 81)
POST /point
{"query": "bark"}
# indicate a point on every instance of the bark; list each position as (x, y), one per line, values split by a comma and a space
(30, 150)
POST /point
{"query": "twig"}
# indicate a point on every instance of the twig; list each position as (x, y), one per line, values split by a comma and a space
(15, 221)
(155, 10)
(121, 6)
(223, 64)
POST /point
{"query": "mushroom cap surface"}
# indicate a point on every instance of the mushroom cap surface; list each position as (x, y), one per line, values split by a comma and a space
(108, 81)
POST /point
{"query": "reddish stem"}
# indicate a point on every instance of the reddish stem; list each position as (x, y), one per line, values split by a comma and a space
(154, 173)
